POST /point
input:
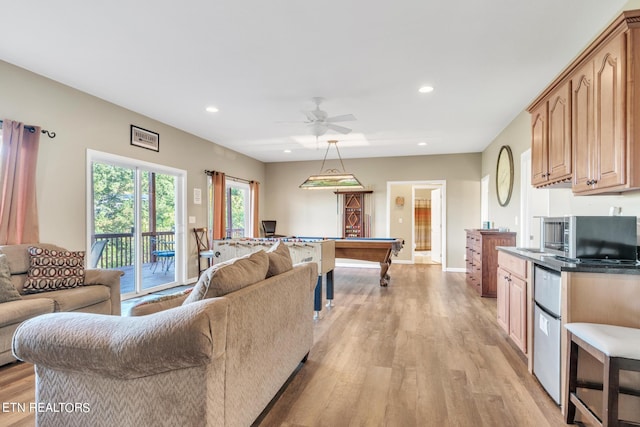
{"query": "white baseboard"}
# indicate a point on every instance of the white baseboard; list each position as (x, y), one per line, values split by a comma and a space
(362, 264)
(456, 270)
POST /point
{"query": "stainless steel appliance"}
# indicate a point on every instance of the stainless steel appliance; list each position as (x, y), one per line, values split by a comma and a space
(590, 237)
(547, 329)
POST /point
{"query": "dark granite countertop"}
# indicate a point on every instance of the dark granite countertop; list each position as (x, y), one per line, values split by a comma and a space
(553, 263)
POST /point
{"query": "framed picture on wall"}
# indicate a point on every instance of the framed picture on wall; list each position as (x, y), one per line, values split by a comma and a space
(145, 138)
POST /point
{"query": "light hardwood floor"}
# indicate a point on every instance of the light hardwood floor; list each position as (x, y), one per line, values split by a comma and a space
(424, 351)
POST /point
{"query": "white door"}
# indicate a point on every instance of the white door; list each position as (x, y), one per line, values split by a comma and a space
(484, 199)
(436, 225)
(534, 203)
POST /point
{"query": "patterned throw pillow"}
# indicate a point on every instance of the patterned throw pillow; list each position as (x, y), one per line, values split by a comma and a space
(51, 270)
(7, 291)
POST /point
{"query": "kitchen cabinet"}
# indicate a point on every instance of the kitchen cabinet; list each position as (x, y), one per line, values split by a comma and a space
(511, 300)
(598, 114)
(482, 258)
(583, 124)
(551, 139)
(589, 293)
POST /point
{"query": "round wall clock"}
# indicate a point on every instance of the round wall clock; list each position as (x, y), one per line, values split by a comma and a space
(504, 175)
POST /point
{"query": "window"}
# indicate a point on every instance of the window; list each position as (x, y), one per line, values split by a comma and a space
(238, 209)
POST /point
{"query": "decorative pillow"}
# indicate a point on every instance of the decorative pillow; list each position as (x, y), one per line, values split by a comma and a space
(7, 291)
(52, 270)
(279, 259)
(230, 276)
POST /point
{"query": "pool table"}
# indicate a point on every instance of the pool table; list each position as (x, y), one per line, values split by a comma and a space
(375, 249)
(370, 249)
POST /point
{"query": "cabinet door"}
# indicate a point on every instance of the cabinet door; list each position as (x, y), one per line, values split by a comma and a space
(610, 155)
(353, 215)
(559, 127)
(582, 127)
(518, 312)
(502, 298)
(539, 145)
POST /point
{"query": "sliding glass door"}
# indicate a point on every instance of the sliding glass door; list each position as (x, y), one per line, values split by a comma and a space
(134, 217)
(158, 204)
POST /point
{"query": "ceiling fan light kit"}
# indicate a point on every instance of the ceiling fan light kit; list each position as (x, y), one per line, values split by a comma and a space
(320, 123)
(332, 179)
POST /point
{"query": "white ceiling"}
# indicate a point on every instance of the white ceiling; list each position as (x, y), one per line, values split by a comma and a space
(260, 62)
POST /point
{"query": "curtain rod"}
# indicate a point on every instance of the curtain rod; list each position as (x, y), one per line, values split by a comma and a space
(32, 129)
(233, 178)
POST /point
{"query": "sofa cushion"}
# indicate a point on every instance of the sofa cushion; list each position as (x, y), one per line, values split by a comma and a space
(279, 259)
(52, 269)
(19, 258)
(74, 299)
(7, 291)
(20, 310)
(230, 276)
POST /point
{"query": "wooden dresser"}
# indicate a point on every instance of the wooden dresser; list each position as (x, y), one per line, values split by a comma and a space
(482, 258)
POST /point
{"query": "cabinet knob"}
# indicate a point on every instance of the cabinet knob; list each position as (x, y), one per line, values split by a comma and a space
(589, 182)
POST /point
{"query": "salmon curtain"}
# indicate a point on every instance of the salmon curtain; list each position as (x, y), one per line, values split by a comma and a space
(18, 159)
(255, 200)
(423, 224)
(218, 184)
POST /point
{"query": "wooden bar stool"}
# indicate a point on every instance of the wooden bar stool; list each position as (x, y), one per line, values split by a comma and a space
(617, 348)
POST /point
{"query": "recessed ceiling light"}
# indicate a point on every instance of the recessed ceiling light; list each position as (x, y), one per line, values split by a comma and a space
(212, 109)
(422, 143)
(287, 151)
(425, 89)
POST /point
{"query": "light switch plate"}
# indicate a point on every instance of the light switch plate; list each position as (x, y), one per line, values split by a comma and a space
(192, 220)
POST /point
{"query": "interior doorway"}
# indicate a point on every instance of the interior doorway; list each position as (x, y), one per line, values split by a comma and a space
(416, 213)
(427, 224)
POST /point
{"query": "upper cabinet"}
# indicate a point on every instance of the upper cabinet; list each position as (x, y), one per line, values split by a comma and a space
(582, 124)
(551, 139)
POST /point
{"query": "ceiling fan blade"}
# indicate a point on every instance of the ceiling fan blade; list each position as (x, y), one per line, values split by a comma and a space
(343, 118)
(337, 128)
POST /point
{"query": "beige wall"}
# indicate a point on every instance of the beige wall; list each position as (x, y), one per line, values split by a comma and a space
(401, 218)
(556, 201)
(517, 137)
(85, 122)
(314, 212)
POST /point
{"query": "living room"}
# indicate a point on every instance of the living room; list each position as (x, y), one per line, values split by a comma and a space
(86, 123)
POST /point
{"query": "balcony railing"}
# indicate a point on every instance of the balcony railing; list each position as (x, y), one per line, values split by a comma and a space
(119, 251)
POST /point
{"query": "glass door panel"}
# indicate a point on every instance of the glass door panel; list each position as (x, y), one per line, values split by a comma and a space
(114, 216)
(127, 198)
(158, 222)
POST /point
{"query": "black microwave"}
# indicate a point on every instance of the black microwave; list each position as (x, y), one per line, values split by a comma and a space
(590, 237)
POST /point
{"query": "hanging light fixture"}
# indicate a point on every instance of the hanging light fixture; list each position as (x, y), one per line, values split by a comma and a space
(332, 179)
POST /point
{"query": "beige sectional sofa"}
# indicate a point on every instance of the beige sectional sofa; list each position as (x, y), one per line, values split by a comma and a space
(210, 360)
(101, 294)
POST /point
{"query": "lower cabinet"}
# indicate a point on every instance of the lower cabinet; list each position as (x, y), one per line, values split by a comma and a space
(512, 298)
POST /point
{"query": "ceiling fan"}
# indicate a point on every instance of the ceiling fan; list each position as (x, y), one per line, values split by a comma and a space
(319, 122)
